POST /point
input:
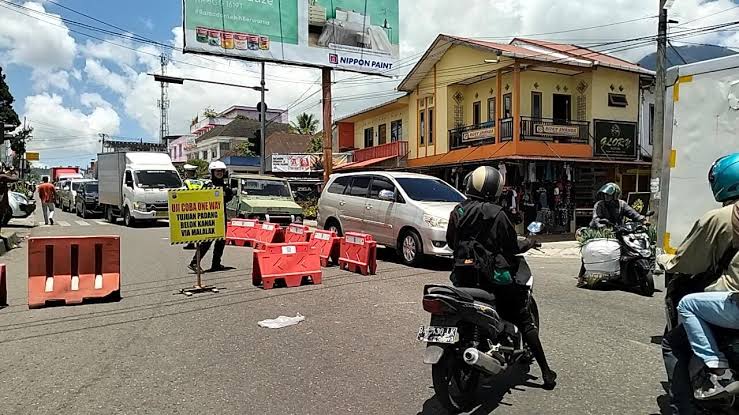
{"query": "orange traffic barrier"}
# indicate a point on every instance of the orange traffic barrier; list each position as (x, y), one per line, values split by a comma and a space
(358, 253)
(268, 233)
(70, 270)
(297, 233)
(3, 286)
(241, 232)
(327, 245)
(291, 264)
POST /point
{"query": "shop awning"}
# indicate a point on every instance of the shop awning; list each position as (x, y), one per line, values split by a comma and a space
(365, 163)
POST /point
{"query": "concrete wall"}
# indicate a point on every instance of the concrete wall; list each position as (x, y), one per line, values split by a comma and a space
(377, 120)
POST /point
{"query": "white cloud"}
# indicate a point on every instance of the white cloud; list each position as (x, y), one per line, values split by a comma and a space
(110, 51)
(147, 22)
(92, 100)
(34, 38)
(63, 133)
(46, 79)
(103, 76)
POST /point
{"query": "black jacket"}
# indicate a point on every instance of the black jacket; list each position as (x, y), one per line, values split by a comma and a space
(614, 214)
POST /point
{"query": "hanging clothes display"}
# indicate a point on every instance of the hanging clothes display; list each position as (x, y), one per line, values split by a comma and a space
(503, 171)
(532, 172)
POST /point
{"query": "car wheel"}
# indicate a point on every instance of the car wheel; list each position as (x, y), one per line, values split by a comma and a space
(128, 220)
(78, 210)
(410, 248)
(333, 225)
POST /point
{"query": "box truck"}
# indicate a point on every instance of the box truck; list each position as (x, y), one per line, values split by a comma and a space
(701, 125)
(134, 185)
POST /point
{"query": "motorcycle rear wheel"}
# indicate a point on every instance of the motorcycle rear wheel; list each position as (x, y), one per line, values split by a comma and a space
(455, 382)
(646, 284)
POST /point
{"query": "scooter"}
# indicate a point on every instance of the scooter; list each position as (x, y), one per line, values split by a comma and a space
(467, 337)
(636, 259)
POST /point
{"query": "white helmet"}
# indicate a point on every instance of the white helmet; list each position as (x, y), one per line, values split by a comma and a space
(216, 165)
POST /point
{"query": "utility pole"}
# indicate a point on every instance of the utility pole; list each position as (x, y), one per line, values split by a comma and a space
(263, 128)
(102, 142)
(659, 117)
(163, 102)
(328, 159)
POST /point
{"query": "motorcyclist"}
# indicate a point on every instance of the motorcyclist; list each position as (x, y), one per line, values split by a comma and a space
(218, 174)
(610, 210)
(479, 220)
(712, 245)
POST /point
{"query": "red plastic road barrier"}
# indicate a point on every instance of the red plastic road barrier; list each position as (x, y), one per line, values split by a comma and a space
(71, 270)
(241, 232)
(3, 286)
(327, 245)
(292, 264)
(358, 253)
(297, 233)
(268, 233)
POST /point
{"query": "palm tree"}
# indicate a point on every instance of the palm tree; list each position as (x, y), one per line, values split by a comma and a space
(307, 124)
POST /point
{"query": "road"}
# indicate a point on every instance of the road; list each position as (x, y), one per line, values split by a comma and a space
(157, 352)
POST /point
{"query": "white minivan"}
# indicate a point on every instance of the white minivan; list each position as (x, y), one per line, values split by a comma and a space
(405, 211)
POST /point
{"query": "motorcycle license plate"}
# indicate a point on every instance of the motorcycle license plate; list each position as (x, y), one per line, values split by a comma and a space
(432, 334)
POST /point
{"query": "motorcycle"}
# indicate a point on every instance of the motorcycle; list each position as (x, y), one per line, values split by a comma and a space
(467, 338)
(635, 256)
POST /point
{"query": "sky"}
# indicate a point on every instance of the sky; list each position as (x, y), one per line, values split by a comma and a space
(72, 84)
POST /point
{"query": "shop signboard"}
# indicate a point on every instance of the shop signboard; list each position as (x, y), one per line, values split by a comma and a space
(479, 134)
(353, 35)
(32, 156)
(615, 139)
(556, 130)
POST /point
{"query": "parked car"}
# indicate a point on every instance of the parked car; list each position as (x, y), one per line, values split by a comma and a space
(405, 211)
(60, 186)
(87, 202)
(68, 194)
(265, 198)
(20, 207)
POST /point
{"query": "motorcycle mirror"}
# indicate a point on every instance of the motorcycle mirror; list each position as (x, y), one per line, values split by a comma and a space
(534, 228)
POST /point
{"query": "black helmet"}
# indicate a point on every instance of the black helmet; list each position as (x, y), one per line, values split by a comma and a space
(610, 189)
(485, 183)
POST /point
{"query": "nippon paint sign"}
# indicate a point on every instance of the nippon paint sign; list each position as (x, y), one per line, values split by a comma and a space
(353, 35)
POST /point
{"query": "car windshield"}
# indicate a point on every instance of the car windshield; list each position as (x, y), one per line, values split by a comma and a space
(91, 188)
(429, 190)
(76, 185)
(265, 188)
(164, 179)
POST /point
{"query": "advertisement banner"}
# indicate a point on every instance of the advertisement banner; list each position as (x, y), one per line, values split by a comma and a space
(196, 216)
(615, 139)
(32, 155)
(293, 163)
(556, 130)
(352, 35)
(479, 134)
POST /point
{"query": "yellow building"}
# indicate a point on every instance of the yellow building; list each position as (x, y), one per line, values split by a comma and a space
(559, 119)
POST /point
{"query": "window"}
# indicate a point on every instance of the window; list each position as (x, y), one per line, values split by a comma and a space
(431, 126)
(429, 190)
(476, 114)
(129, 178)
(382, 134)
(339, 185)
(421, 127)
(491, 110)
(617, 100)
(378, 184)
(561, 108)
(359, 186)
(369, 137)
(507, 106)
(396, 130)
(651, 124)
(536, 105)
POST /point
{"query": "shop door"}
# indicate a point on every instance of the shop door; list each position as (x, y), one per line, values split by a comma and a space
(561, 108)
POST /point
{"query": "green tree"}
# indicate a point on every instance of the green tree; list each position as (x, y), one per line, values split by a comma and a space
(7, 113)
(242, 149)
(315, 145)
(307, 124)
(209, 112)
(18, 144)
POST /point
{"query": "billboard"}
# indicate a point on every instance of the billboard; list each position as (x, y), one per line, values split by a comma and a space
(352, 35)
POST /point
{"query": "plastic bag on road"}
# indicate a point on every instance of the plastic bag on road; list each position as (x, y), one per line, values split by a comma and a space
(281, 321)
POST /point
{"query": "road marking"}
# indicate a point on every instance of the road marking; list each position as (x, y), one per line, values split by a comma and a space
(81, 223)
(63, 223)
(102, 222)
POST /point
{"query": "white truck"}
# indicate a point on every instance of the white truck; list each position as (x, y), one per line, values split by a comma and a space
(701, 125)
(134, 185)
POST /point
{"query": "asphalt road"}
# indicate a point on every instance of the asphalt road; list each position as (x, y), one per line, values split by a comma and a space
(157, 352)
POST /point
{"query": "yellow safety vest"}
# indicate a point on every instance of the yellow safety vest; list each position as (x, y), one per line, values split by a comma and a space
(193, 185)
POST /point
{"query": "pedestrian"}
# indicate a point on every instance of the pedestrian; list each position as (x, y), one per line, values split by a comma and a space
(218, 177)
(47, 192)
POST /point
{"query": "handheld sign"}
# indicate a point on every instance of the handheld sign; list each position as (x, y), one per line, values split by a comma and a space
(196, 216)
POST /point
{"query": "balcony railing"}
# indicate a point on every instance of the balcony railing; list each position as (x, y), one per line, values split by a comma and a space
(548, 129)
(472, 135)
(394, 149)
(506, 129)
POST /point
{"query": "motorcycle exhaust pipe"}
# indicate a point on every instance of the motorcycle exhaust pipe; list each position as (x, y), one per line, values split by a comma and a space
(482, 361)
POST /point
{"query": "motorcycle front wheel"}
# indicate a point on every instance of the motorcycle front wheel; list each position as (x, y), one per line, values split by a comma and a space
(455, 382)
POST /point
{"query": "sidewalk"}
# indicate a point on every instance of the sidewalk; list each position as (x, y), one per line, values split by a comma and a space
(566, 249)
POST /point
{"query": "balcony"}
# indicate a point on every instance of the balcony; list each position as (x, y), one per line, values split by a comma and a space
(506, 129)
(382, 151)
(560, 131)
(472, 135)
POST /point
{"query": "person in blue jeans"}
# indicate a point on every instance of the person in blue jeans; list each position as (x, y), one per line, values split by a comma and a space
(713, 237)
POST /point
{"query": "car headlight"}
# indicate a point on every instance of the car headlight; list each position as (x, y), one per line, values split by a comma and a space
(139, 206)
(435, 221)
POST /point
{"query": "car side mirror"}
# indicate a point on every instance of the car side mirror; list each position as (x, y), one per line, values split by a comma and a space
(387, 195)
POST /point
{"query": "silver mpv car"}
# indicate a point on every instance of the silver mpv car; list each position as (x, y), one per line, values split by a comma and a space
(405, 211)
